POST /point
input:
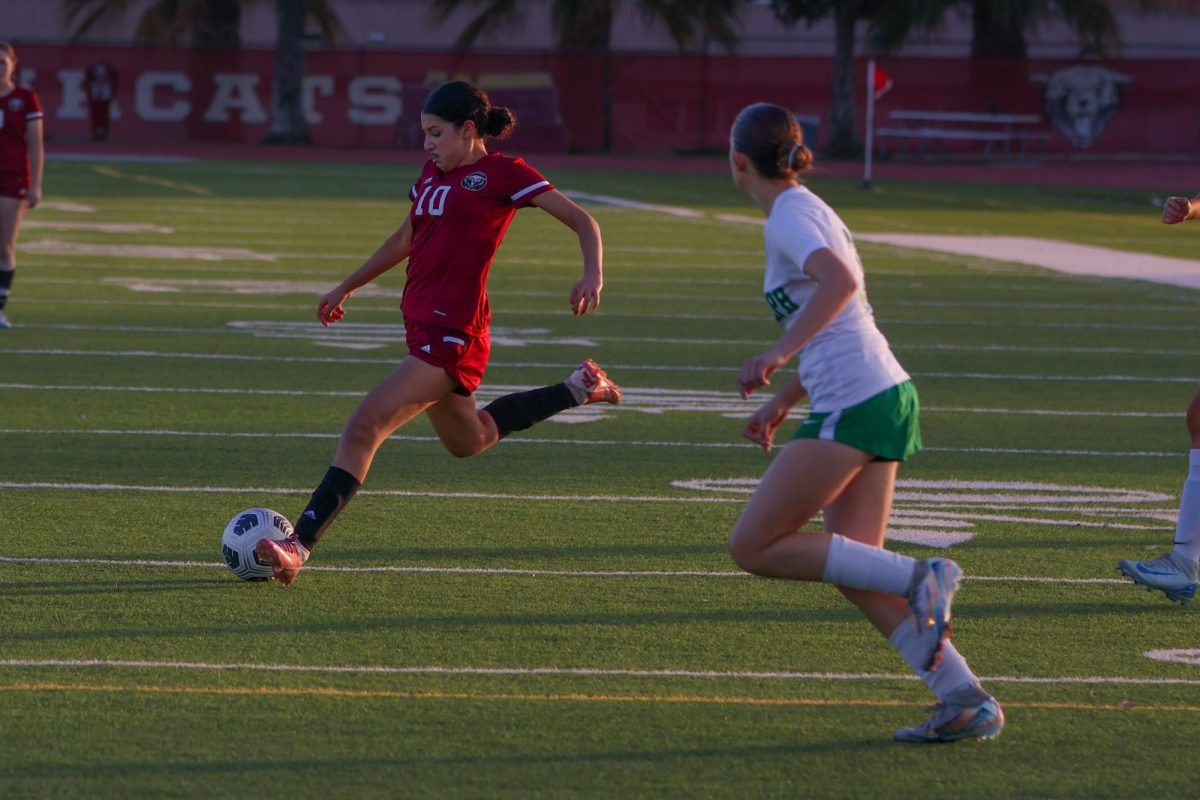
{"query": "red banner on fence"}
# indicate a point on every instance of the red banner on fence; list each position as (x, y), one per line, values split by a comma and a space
(660, 102)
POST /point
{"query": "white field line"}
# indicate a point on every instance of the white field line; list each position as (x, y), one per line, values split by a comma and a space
(651, 401)
(275, 286)
(938, 347)
(121, 487)
(519, 571)
(645, 315)
(1093, 680)
(569, 442)
(548, 364)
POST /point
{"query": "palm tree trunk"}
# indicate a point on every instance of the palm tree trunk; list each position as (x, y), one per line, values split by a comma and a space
(288, 125)
(843, 139)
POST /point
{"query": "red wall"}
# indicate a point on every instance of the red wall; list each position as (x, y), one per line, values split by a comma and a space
(660, 102)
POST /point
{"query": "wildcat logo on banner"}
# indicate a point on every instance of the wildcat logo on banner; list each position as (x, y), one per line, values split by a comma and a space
(1082, 100)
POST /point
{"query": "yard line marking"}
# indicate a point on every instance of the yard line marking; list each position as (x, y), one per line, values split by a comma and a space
(885, 322)
(1095, 680)
(549, 573)
(101, 227)
(305, 330)
(151, 180)
(559, 697)
(641, 400)
(571, 442)
(118, 487)
(391, 334)
(286, 283)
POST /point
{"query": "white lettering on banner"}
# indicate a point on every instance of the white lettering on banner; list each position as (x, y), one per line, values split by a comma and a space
(74, 103)
(311, 86)
(236, 92)
(144, 89)
(74, 99)
(375, 100)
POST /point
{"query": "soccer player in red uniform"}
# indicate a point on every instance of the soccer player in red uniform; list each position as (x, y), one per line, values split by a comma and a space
(462, 204)
(1176, 573)
(21, 160)
(100, 83)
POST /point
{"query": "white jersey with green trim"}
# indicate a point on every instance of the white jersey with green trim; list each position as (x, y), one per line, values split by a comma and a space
(849, 360)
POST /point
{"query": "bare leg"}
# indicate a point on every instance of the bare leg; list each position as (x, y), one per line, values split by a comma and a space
(411, 388)
(464, 430)
(12, 212)
(806, 477)
(1193, 421)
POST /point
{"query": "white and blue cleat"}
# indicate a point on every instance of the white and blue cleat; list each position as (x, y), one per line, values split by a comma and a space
(966, 714)
(929, 597)
(1173, 576)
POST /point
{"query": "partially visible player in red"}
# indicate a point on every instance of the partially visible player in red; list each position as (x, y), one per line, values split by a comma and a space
(1180, 209)
(1176, 573)
(100, 83)
(462, 204)
(21, 161)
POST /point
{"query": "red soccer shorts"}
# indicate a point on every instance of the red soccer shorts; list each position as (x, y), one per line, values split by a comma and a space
(14, 185)
(464, 357)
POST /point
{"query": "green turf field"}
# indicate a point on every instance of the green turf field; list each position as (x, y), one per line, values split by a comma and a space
(559, 617)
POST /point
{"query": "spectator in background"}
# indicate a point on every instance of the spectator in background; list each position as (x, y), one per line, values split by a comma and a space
(21, 160)
(100, 82)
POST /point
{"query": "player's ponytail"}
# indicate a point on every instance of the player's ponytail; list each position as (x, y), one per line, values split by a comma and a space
(458, 101)
(771, 138)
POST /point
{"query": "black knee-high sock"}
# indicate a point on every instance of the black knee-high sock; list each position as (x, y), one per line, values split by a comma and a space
(337, 488)
(6, 278)
(516, 412)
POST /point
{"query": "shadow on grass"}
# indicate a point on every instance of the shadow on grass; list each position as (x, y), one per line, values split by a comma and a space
(449, 623)
(324, 766)
(59, 588)
(534, 557)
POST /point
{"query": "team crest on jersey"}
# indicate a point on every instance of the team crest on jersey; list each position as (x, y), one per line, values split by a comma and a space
(475, 181)
(16, 104)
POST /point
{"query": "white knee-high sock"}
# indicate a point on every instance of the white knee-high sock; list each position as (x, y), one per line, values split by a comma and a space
(950, 676)
(861, 566)
(1187, 529)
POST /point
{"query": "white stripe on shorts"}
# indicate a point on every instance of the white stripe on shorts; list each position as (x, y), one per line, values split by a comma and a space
(829, 424)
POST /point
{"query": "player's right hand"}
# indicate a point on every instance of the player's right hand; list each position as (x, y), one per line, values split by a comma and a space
(1176, 209)
(329, 309)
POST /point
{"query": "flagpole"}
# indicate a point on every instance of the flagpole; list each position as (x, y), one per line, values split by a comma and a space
(866, 184)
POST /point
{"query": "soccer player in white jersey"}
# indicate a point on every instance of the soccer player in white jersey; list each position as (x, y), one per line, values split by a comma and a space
(842, 462)
(1174, 572)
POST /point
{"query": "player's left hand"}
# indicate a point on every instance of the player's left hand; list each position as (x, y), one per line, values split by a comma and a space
(33, 196)
(761, 426)
(756, 372)
(585, 295)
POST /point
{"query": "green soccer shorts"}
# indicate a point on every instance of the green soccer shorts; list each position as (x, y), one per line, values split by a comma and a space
(886, 425)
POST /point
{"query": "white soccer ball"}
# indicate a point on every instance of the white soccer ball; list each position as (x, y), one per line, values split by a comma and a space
(243, 532)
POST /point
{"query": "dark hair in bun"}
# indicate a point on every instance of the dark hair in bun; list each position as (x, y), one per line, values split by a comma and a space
(458, 101)
(771, 138)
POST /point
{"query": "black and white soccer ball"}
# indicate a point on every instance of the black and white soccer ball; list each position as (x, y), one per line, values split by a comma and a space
(245, 531)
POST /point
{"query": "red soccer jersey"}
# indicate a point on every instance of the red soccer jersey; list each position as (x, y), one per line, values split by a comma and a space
(17, 108)
(100, 80)
(458, 220)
